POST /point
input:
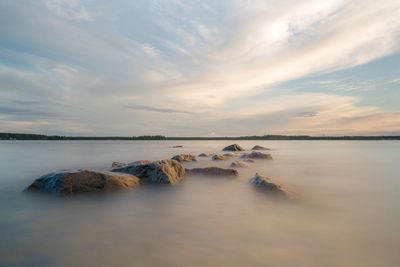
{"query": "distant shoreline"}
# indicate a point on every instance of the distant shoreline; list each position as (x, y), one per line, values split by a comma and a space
(24, 136)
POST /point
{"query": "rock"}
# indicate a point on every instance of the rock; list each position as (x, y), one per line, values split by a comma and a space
(217, 157)
(204, 155)
(229, 154)
(234, 147)
(116, 165)
(215, 171)
(238, 164)
(177, 146)
(265, 183)
(158, 172)
(248, 160)
(256, 155)
(184, 157)
(73, 182)
(257, 147)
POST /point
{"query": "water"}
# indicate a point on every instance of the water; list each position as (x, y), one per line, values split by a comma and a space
(345, 211)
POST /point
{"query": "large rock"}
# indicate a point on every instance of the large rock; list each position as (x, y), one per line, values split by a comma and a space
(256, 155)
(257, 147)
(73, 182)
(265, 183)
(158, 172)
(239, 164)
(234, 147)
(184, 157)
(212, 171)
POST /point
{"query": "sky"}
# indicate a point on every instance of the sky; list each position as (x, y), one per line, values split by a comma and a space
(200, 68)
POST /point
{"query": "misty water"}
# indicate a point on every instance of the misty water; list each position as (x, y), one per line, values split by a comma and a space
(345, 208)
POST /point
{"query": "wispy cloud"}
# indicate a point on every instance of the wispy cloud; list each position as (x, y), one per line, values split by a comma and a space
(157, 109)
(69, 9)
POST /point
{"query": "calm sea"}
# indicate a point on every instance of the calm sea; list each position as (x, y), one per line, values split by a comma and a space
(346, 209)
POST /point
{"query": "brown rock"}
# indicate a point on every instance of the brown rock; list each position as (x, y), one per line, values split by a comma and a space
(265, 183)
(75, 182)
(256, 155)
(238, 164)
(234, 147)
(157, 172)
(184, 157)
(213, 171)
(257, 147)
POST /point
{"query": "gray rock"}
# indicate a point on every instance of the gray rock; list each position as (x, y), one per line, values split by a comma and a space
(229, 154)
(257, 147)
(217, 157)
(184, 157)
(116, 165)
(265, 183)
(213, 171)
(204, 155)
(239, 164)
(157, 172)
(256, 155)
(248, 160)
(234, 147)
(74, 182)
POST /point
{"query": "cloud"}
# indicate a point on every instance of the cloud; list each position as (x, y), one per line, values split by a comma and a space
(25, 112)
(89, 61)
(306, 114)
(160, 110)
(69, 9)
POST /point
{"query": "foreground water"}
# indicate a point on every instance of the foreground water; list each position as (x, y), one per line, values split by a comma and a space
(345, 212)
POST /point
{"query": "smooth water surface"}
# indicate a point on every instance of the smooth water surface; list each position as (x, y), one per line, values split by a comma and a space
(345, 210)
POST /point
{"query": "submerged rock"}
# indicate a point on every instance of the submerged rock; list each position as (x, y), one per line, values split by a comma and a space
(217, 157)
(248, 160)
(234, 147)
(239, 164)
(203, 155)
(229, 154)
(73, 182)
(256, 155)
(213, 171)
(184, 157)
(177, 146)
(257, 147)
(116, 165)
(265, 183)
(158, 172)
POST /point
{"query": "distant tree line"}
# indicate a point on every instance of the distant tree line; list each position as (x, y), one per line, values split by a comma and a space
(19, 136)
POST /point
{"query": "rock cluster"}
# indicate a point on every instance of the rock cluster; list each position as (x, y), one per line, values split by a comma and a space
(130, 175)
